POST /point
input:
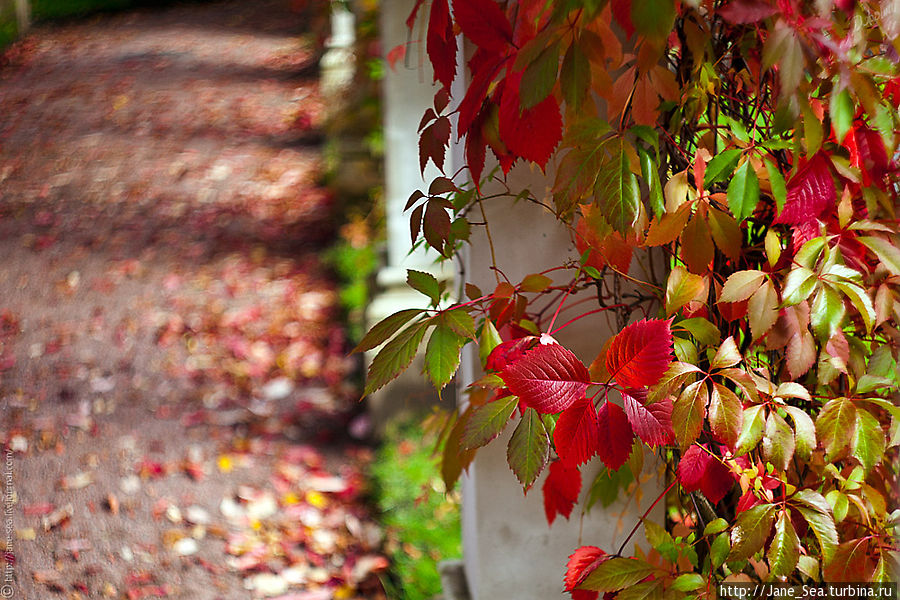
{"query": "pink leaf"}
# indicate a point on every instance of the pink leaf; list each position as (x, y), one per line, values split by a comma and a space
(809, 192)
(561, 489)
(739, 12)
(652, 422)
(616, 436)
(577, 433)
(548, 378)
(640, 354)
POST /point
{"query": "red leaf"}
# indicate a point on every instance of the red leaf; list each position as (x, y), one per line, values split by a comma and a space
(640, 354)
(739, 12)
(809, 192)
(483, 73)
(441, 43)
(577, 433)
(691, 468)
(534, 133)
(652, 422)
(411, 19)
(507, 353)
(621, 10)
(483, 22)
(549, 378)
(870, 157)
(616, 436)
(581, 563)
(433, 143)
(396, 54)
(699, 470)
(561, 489)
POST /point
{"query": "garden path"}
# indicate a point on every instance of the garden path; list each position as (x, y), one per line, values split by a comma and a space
(173, 378)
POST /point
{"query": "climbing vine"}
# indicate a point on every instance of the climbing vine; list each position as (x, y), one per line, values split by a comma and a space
(750, 146)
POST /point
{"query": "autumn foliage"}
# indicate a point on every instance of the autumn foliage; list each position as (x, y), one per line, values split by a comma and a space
(751, 145)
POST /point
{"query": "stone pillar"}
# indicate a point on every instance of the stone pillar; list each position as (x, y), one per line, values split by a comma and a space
(23, 15)
(508, 549)
(407, 90)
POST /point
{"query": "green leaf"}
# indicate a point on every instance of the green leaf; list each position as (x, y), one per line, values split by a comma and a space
(681, 288)
(798, 285)
(868, 443)
(727, 355)
(861, 301)
(741, 285)
(539, 77)
(817, 512)
(752, 426)
(688, 413)
(702, 330)
(688, 582)
(762, 309)
(888, 254)
(784, 551)
(528, 448)
(653, 18)
(490, 339)
(395, 356)
(616, 573)
(650, 173)
(645, 590)
(617, 191)
(719, 549)
(442, 353)
(810, 252)
(425, 283)
(743, 192)
(726, 415)
(607, 486)
(826, 313)
(575, 77)
(721, 167)
(778, 441)
(840, 504)
(726, 233)
(779, 189)
(535, 283)
(386, 328)
(804, 432)
(840, 108)
(750, 531)
(487, 422)
(835, 425)
(460, 321)
(715, 526)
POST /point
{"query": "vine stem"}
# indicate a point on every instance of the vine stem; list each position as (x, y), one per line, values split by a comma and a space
(582, 315)
(563, 300)
(644, 516)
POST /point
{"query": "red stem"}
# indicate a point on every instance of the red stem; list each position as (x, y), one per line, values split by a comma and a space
(644, 516)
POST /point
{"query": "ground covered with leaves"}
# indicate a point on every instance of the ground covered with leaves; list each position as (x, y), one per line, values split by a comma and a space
(174, 379)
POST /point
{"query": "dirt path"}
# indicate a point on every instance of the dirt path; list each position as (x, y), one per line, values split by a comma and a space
(172, 373)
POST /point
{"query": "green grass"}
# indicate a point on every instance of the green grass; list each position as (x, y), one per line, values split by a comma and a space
(421, 521)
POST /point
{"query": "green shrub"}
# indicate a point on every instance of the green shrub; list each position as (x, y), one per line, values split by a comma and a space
(421, 520)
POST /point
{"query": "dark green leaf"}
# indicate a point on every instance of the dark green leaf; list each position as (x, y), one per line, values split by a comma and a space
(653, 18)
(539, 77)
(617, 573)
(887, 253)
(804, 431)
(779, 189)
(461, 322)
(426, 283)
(868, 444)
(528, 448)
(743, 192)
(778, 441)
(688, 413)
(487, 422)
(835, 426)
(575, 77)
(752, 426)
(386, 328)
(784, 551)
(817, 512)
(650, 173)
(395, 356)
(750, 531)
(840, 108)
(721, 167)
(617, 191)
(442, 353)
